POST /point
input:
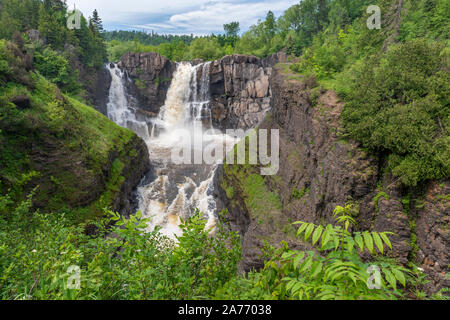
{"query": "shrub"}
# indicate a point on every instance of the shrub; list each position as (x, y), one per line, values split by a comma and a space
(399, 105)
(55, 67)
(119, 262)
(336, 272)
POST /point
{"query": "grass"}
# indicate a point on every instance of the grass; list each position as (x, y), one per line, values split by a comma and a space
(74, 154)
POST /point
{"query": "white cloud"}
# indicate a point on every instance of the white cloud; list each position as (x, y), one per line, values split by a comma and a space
(214, 16)
(181, 16)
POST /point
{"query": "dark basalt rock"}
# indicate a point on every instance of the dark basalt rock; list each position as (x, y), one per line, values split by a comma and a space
(314, 157)
(22, 102)
(240, 89)
(100, 92)
(152, 75)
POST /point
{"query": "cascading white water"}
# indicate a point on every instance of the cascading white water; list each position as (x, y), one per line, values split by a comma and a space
(118, 107)
(178, 189)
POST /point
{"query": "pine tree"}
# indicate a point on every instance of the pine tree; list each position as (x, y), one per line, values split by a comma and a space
(96, 22)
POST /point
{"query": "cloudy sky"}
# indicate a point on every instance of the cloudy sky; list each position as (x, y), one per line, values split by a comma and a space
(199, 17)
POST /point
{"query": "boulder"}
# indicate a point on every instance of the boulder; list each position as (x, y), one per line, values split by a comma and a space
(21, 101)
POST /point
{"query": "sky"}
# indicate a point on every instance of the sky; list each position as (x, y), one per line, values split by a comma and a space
(198, 17)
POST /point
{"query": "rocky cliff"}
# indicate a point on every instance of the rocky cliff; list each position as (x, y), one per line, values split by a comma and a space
(240, 89)
(319, 170)
(151, 76)
(239, 86)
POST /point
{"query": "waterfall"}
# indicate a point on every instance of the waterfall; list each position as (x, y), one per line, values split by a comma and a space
(118, 107)
(178, 189)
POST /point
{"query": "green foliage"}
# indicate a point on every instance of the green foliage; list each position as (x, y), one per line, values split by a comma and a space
(56, 68)
(206, 49)
(64, 131)
(50, 18)
(95, 23)
(120, 262)
(231, 36)
(149, 39)
(344, 12)
(230, 192)
(259, 200)
(299, 194)
(261, 39)
(13, 64)
(399, 105)
(52, 22)
(176, 50)
(231, 29)
(380, 195)
(335, 273)
(429, 19)
(443, 294)
(117, 49)
(394, 81)
(18, 15)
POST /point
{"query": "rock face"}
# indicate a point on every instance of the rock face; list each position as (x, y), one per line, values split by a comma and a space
(239, 86)
(319, 170)
(240, 89)
(152, 75)
(137, 167)
(433, 234)
(100, 93)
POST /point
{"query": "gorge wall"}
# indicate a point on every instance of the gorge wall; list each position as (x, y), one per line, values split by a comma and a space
(241, 93)
(319, 168)
(62, 152)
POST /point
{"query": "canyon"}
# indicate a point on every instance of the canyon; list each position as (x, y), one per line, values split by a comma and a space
(319, 168)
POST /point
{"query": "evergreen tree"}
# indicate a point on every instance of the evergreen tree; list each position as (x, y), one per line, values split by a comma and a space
(52, 22)
(269, 25)
(96, 22)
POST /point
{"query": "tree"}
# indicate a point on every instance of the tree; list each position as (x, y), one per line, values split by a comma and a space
(96, 22)
(269, 25)
(52, 22)
(231, 36)
(206, 49)
(232, 29)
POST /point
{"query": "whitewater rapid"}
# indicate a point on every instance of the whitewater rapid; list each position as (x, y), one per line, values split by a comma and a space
(177, 190)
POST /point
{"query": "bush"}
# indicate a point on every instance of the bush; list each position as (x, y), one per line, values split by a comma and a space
(399, 106)
(14, 65)
(121, 262)
(336, 273)
(205, 48)
(55, 67)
